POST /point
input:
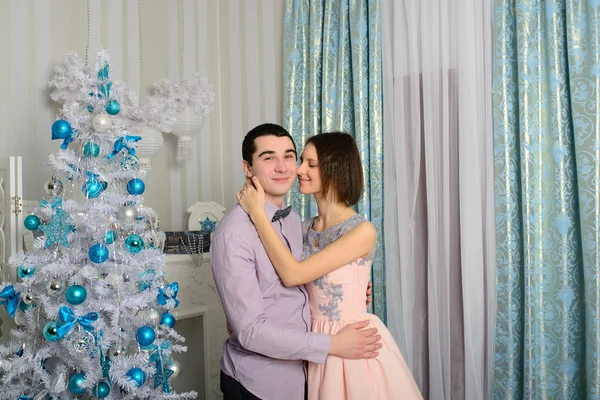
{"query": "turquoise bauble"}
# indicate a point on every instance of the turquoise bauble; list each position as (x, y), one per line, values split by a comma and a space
(136, 186)
(25, 271)
(134, 244)
(168, 319)
(61, 129)
(24, 306)
(76, 383)
(102, 390)
(93, 187)
(51, 331)
(31, 222)
(98, 253)
(91, 149)
(113, 107)
(76, 294)
(145, 335)
(137, 375)
(109, 237)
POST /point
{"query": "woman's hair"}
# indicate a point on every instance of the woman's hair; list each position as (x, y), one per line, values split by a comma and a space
(340, 166)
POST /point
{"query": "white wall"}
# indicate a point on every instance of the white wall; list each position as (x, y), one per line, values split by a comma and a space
(236, 44)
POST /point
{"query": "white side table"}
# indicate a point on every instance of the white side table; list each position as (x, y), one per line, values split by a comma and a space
(201, 320)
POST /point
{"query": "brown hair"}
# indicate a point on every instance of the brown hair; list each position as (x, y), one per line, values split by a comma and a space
(249, 145)
(340, 166)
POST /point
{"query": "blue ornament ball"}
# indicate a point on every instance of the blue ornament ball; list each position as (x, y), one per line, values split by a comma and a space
(145, 335)
(51, 331)
(76, 383)
(25, 271)
(113, 107)
(31, 222)
(24, 306)
(134, 244)
(61, 129)
(168, 319)
(91, 149)
(92, 188)
(136, 186)
(76, 294)
(102, 390)
(137, 375)
(110, 237)
(98, 253)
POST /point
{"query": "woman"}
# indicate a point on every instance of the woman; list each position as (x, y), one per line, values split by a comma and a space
(338, 249)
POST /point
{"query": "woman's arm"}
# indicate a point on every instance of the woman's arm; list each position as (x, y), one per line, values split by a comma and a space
(354, 244)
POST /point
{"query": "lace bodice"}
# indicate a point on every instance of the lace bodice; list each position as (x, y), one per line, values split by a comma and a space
(339, 295)
(313, 242)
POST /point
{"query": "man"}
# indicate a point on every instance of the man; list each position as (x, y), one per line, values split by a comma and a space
(270, 323)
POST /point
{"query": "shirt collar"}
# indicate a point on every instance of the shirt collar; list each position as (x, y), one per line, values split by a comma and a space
(271, 209)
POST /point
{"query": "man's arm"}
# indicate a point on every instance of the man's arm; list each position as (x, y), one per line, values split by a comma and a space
(235, 275)
(369, 300)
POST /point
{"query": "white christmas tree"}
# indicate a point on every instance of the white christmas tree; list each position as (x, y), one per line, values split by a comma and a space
(93, 311)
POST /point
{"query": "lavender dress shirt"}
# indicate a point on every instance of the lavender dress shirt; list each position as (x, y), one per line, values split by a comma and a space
(270, 322)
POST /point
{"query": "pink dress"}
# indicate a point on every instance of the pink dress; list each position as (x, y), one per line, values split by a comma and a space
(338, 299)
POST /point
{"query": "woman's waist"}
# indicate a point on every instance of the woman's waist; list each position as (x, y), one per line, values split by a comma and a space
(338, 309)
(342, 319)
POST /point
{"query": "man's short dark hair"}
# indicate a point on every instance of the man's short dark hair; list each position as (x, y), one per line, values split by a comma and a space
(249, 146)
(340, 166)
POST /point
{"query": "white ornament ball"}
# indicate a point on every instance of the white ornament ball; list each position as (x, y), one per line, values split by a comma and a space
(28, 298)
(115, 351)
(152, 315)
(101, 123)
(128, 213)
(54, 186)
(175, 367)
(54, 287)
(20, 318)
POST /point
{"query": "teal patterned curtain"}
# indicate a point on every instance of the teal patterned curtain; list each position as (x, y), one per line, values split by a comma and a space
(547, 183)
(333, 82)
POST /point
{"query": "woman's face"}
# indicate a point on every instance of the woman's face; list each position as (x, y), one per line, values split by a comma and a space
(309, 173)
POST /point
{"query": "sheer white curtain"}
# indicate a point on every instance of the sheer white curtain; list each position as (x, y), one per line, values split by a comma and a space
(439, 201)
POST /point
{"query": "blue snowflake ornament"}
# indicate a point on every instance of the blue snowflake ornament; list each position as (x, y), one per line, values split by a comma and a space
(58, 229)
(208, 225)
(162, 374)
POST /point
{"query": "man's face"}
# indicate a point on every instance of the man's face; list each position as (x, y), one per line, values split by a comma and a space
(274, 164)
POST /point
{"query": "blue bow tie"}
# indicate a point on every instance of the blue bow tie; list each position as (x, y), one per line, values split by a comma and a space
(281, 213)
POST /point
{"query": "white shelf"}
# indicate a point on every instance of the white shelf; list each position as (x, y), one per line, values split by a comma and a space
(177, 258)
(190, 312)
